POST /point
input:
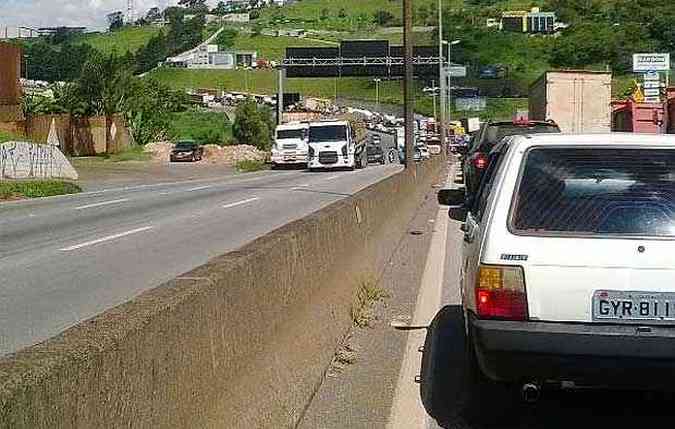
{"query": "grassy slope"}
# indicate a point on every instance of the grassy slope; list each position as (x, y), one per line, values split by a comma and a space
(126, 39)
(273, 48)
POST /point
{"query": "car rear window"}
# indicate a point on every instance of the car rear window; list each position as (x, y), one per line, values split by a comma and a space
(495, 133)
(596, 191)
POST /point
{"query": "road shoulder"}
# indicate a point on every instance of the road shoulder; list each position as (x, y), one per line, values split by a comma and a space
(361, 396)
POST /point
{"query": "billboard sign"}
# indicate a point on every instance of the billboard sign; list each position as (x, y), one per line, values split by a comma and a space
(475, 104)
(651, 62)
(457, 71)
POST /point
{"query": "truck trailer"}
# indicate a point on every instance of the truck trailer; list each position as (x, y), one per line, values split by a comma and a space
(578, 101)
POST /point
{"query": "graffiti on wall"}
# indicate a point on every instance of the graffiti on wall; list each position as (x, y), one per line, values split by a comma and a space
(23, 160)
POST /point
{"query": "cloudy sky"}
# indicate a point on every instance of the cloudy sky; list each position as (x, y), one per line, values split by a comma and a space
(50, 13)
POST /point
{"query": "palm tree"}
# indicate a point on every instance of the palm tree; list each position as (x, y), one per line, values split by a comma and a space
(103, 83)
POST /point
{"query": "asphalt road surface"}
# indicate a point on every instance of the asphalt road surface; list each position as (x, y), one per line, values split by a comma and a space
(66, 259)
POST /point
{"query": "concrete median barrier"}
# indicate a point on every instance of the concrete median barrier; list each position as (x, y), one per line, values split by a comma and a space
(241, 342)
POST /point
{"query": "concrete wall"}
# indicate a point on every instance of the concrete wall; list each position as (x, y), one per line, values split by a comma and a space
(79, 136)
(241, 342)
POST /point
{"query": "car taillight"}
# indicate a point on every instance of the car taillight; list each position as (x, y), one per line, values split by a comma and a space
(480, 161)
(500, 293)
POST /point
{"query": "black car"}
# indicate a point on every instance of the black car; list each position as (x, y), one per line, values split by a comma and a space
(476, 160)
(375, 152)
(187, 150)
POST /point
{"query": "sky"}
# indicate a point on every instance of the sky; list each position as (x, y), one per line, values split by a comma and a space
(81, 13)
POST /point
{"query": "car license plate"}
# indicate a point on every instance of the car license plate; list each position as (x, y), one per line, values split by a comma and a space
(618, 306)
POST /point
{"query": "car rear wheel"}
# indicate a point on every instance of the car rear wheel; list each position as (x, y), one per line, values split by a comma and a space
(453, 388)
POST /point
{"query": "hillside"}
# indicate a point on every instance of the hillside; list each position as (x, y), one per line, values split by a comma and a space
(121, 41)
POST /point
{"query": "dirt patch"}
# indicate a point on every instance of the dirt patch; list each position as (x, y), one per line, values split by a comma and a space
(213, 154)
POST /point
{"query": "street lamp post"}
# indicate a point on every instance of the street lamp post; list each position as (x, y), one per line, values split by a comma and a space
(377, 93)
(433, 98)
(449, 88)
(441, 76)
(25, 59)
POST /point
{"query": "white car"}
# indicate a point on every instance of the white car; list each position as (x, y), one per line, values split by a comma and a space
(568, 275)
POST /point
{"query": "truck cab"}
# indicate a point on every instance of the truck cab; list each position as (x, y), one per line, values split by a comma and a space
(290, 144)
(333, 144)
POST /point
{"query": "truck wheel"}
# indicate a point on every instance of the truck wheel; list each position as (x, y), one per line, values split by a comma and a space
(452, 387)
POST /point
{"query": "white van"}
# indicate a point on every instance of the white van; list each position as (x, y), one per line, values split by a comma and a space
(568, 275)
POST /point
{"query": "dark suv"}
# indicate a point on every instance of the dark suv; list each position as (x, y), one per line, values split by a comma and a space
(476, 160)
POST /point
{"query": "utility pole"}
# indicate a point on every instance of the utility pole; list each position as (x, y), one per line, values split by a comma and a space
(280, 96)
(441, 76)
(408, 94)
(433, 98)
(377, 93)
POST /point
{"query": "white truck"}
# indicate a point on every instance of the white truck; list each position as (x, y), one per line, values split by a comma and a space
(290, 144)
(337, 144)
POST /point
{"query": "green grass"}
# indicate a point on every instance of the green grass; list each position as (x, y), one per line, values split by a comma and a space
(36, 189)
(6, 136)
(247, 166)
(126, 39)
(132, 153)
(202, 126)
(273, 48)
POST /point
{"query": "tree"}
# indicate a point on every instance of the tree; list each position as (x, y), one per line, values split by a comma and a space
(221, 9)
(325, 14)
(103, 86)
(252, 126)
(226, 38)
(115, 20)
(194, 5)
(154, 52)
(148, 109)
(423, 14)
(383, 17)
(342, 13)
(153, 15)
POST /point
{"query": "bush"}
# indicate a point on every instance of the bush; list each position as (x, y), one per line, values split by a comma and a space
(36, 188)
(247, 166)
(201, 126)
(253, 126)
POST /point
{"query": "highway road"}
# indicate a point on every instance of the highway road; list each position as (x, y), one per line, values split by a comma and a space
(66, 259)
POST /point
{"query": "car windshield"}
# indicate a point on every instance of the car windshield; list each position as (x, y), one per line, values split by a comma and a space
(495, 133)
(290, 134)
(185, 146)
(327, 133)
(597, 191)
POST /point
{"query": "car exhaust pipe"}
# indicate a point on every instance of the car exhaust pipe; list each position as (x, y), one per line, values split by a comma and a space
(531, 392)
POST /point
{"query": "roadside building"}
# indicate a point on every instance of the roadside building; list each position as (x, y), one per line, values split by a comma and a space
(10, 86)
(211, 57)
(534, 21)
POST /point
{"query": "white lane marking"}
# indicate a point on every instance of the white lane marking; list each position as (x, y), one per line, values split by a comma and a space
(104, 203)
(330, 178)
(104, 239)
(240, 203)
(200, 188)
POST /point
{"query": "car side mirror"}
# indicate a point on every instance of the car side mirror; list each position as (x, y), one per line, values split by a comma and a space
(451, 197)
